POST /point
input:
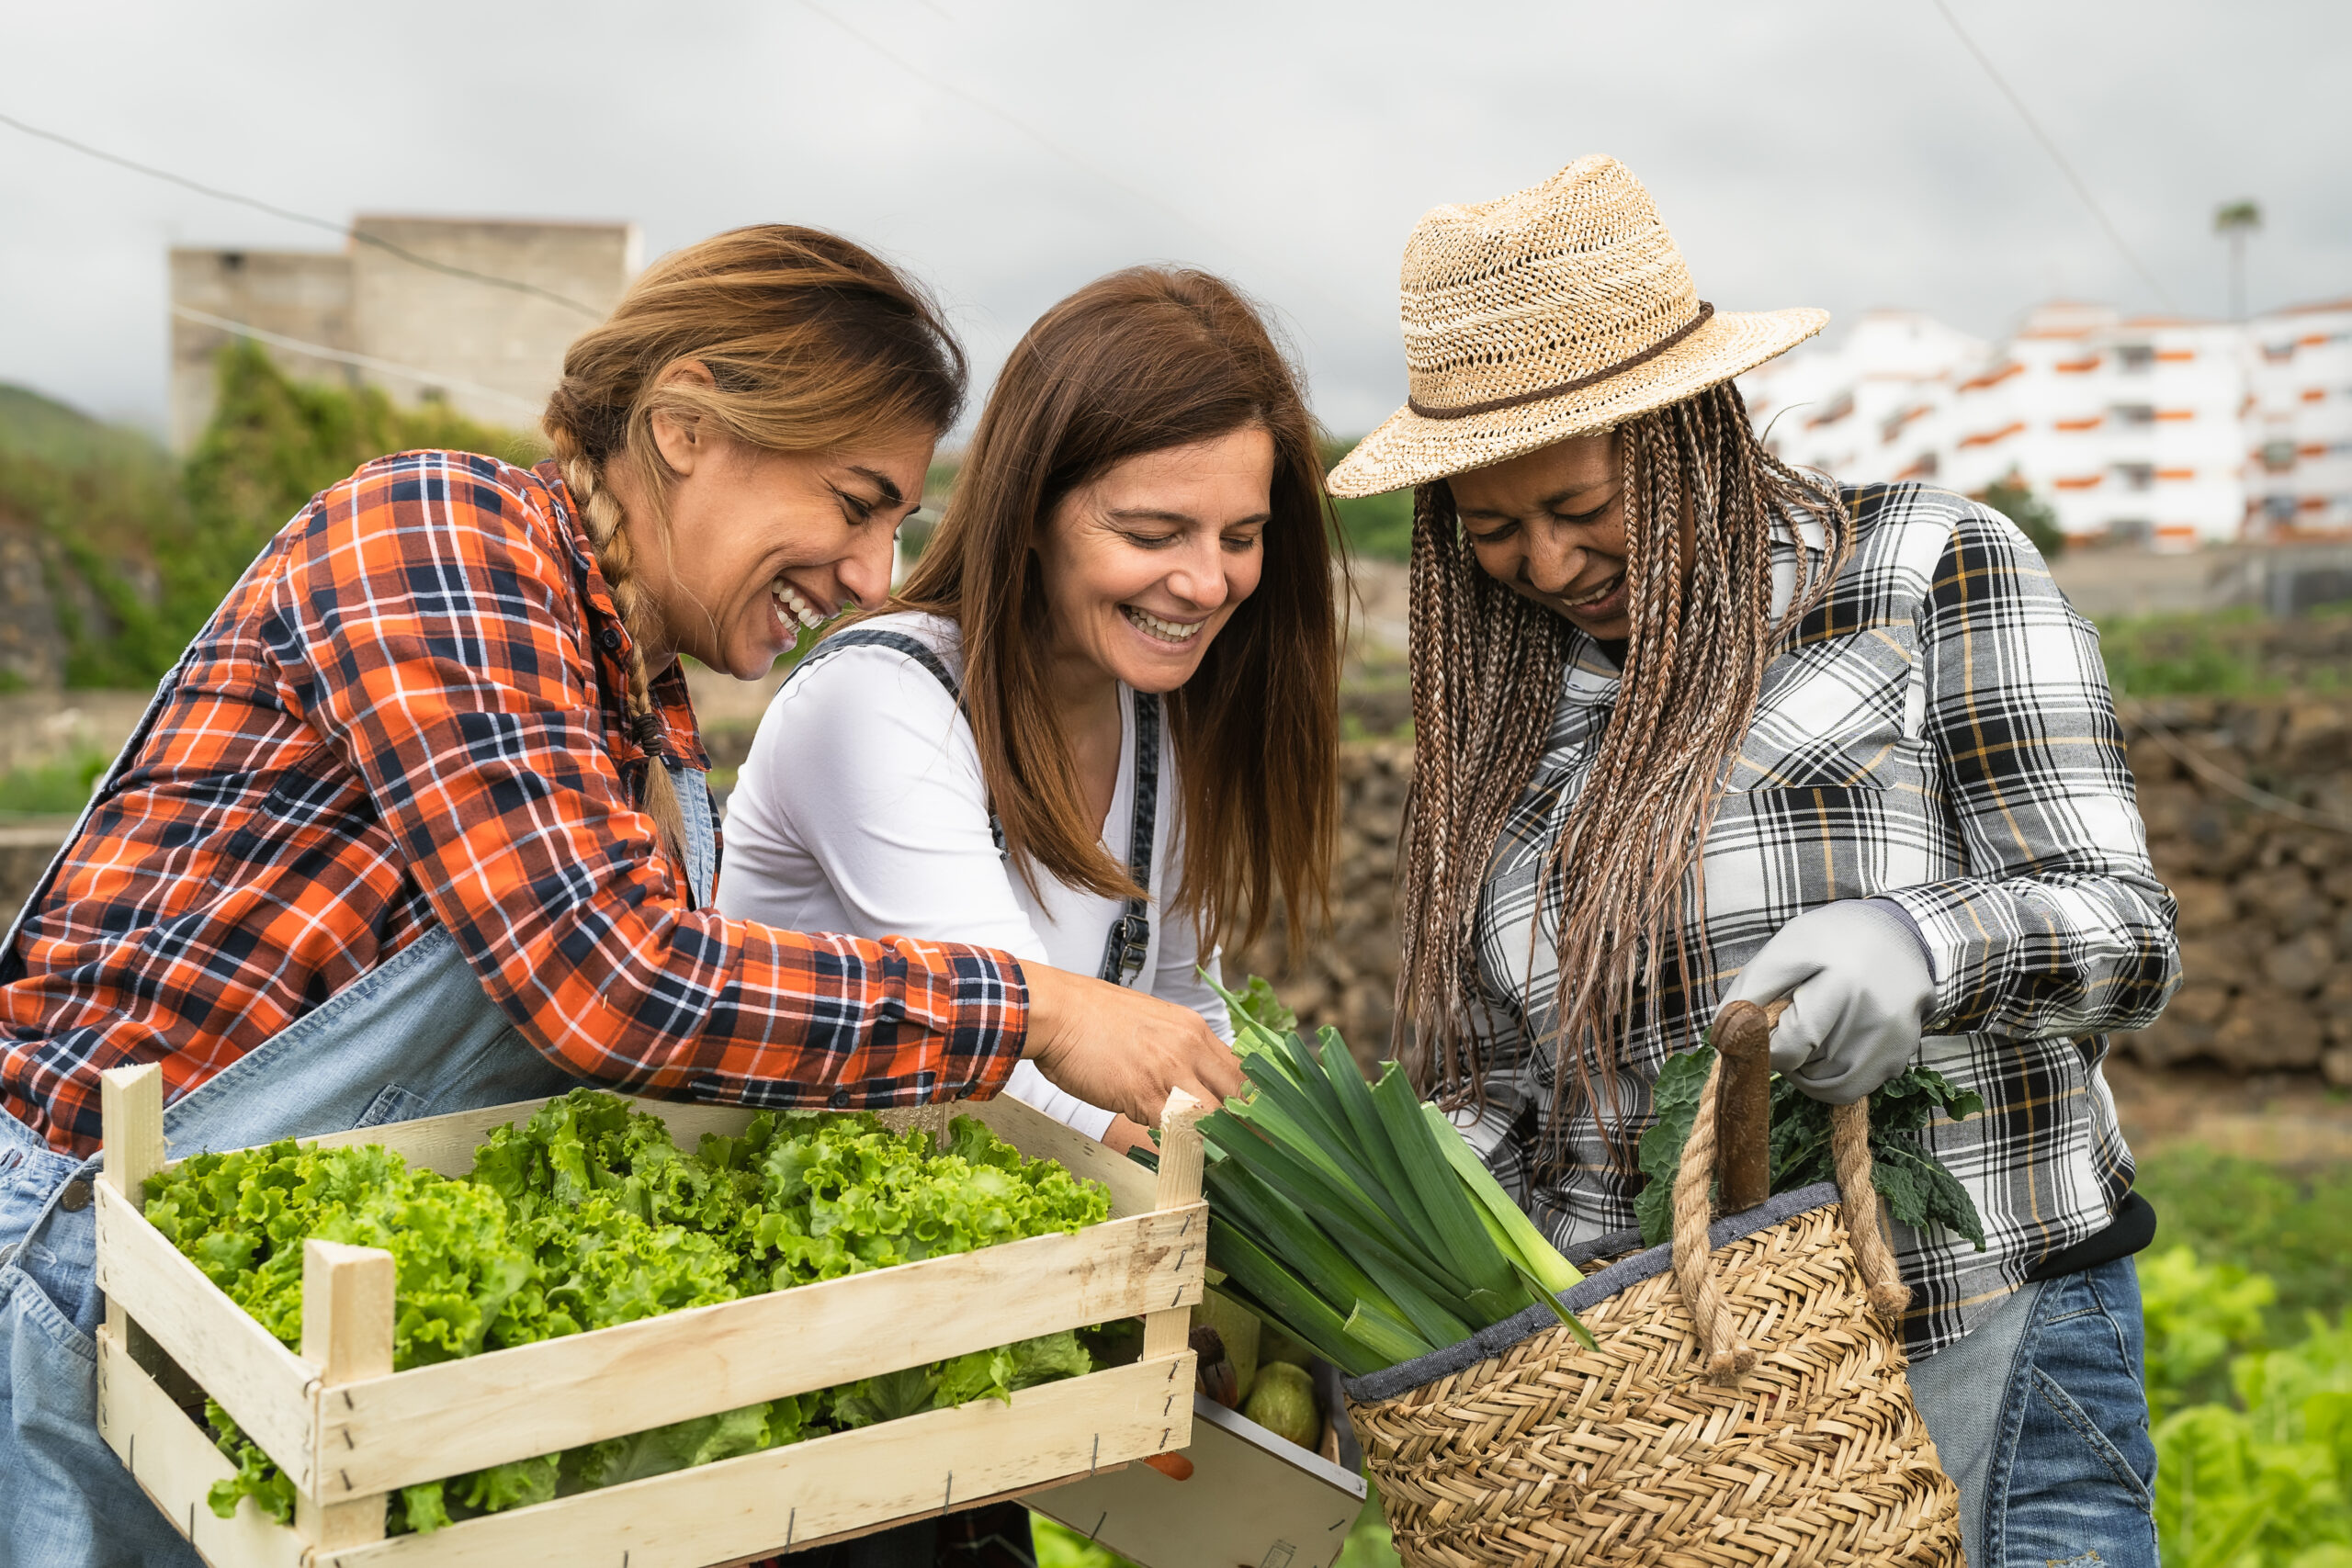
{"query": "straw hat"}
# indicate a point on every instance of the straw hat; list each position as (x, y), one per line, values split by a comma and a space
(1562, 309)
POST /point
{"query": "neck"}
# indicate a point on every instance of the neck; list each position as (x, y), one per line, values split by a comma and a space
(1078, 687)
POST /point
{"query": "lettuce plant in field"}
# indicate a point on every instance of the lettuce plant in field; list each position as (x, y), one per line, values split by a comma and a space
(589, 1215)
(2261, 1477)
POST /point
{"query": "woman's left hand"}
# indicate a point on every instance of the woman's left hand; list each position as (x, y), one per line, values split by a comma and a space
(1858, 988)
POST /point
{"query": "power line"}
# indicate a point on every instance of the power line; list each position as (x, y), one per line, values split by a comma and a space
(346, 229)
(2049, 146)
(345, 357)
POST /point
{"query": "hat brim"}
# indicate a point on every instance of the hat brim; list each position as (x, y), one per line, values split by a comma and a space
(1412, 449)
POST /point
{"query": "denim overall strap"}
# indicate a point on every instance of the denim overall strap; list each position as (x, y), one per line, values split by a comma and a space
(415, 1036)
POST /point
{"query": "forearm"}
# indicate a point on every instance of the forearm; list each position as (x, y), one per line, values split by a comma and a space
(2054, 953)
(2061, 926)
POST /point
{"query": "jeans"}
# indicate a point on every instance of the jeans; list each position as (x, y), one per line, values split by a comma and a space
(2040, 1415)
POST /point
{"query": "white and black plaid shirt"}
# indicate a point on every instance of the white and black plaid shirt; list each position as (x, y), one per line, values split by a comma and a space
(1938, 733)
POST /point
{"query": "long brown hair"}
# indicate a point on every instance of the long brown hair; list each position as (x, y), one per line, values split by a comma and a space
(811, 341)
(1486, 672)
(1137, 362)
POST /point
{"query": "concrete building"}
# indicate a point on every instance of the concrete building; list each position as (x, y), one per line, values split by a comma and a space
(1874, 405)
(417, 328)
(2299, 425)
(2167, 433)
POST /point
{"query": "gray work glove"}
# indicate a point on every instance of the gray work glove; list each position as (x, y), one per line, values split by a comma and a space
(1859, 986)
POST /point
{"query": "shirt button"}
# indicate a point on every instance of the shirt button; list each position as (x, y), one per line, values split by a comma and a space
(76, 1196)
(840, 1100)
(609, 640)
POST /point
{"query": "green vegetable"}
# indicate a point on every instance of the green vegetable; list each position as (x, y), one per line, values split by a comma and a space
(1241, 1331)
(1919, 1188)
(1353, 1216)
(2261, 1477)
(1283, 1404)
(590, 1215)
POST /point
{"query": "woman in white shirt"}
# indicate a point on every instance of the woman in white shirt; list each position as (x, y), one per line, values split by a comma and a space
(1099, 727)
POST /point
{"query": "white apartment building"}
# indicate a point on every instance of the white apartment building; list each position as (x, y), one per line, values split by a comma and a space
(2299, 430)
(1873, 405)
(2165, 432)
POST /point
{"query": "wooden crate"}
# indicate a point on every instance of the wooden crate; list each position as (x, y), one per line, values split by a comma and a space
(347, 1429)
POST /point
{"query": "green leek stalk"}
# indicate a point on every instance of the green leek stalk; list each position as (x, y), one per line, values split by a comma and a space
(1355, 1217)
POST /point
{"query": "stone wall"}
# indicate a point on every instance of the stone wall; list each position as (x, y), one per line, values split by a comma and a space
(2265, 901)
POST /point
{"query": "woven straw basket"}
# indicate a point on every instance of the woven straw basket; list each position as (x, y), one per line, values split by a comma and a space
(1745, 1404)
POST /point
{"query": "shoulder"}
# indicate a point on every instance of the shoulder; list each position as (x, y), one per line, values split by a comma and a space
(879, 673)
(1911, 545)
(451, 498)
(900, 649)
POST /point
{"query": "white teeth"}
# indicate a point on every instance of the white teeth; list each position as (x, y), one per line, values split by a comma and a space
(1602, 592)
(794, 605)
(1166, 631)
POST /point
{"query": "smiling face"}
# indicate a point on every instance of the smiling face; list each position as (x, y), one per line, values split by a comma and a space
(762, 544)
(1145, 564)
(1551, 525)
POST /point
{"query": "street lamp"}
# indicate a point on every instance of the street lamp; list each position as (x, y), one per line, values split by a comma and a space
(2234, 220)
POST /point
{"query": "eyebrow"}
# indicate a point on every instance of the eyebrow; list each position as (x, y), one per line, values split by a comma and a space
(1551, 502)
(882, 482)
(1152, 514)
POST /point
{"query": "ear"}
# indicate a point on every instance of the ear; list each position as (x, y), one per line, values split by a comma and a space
(678, 438)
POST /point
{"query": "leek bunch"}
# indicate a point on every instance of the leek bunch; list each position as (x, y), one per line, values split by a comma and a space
(1353, 1216)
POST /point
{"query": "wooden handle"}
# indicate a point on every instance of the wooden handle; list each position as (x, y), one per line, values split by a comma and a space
(1742, 1038)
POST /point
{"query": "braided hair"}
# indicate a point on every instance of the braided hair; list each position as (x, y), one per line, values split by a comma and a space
(1702, 502)
(809, 341)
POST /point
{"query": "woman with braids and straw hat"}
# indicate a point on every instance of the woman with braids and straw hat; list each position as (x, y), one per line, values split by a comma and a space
(417, 824)
(1691, 727)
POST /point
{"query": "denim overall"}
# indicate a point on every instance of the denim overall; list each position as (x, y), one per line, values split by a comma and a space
(414, 1036)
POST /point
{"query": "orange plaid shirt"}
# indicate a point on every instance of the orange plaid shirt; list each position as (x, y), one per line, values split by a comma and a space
(406, 713)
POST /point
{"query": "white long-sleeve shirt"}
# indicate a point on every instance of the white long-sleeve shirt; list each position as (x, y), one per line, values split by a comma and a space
(860, 809)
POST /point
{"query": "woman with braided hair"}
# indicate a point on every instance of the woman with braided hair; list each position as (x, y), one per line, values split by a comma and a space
(1691, 727)
(417, 824)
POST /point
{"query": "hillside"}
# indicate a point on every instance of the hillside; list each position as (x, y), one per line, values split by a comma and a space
(113, 552)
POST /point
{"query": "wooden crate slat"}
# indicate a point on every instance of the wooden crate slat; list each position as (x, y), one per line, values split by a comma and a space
(262, 1385)
(176, 1464)
(508, 1405)
(830, 1486)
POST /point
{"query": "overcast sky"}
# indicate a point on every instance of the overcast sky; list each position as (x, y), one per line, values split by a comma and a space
(1843, 154)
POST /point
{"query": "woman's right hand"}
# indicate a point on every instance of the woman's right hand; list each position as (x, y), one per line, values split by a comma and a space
(1123, 1050)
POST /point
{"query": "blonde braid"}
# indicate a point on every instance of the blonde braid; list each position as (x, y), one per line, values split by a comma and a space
(608, 538)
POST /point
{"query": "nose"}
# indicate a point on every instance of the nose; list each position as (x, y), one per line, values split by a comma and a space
(1555, 557)
(1197, 575)
(864, 572)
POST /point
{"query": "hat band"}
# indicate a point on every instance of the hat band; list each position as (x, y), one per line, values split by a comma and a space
(1579, 385)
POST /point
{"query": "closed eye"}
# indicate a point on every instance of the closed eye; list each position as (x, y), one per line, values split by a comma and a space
(855, 508)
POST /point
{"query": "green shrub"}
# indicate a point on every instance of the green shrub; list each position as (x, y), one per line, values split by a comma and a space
(52, 789)
(2295, 1230)
(2035, 517)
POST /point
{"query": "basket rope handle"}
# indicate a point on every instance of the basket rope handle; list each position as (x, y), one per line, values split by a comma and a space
(1724, 1354)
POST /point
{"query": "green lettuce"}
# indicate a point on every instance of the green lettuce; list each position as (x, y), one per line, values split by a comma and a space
(589, 1214)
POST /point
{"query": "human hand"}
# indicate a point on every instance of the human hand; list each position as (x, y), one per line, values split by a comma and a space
(1858, 988)
(1121, 1049)
(1123, 1135)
